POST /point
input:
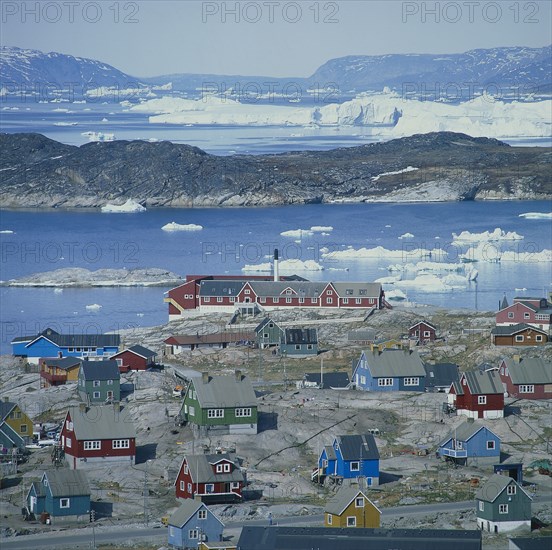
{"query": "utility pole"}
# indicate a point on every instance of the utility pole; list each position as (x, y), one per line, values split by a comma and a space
(146, 494)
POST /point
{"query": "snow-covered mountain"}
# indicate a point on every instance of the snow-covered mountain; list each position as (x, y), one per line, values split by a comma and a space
(493, 70)
(23, 70)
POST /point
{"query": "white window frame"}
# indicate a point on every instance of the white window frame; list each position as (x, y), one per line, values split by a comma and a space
(427, 333)
(520, 338)
(481, 399)
(491, 445)
(202, 514)
(218, 468)
(68, 442)
(510, 315)
(120, 444)
(226, 468)
(526, 388)
(385, 382)
(209, 485)
(358, 301)
(182, 485)
(65, 502)
(351, 521)
(215, 413)
(329, 300)
(235, 485)
(526, 315)
(502, 508)
(310, 346)
(288, 300)
(412, 381)
(96, 395)
(241, 412)
(481, 506)
(193, 534)
(362, 379)
(511, 490)
(92, 445)
(359, 502)
(355, 466)
(538, 337)
(329, 518)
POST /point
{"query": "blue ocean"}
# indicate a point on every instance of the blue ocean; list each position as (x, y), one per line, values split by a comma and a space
(34, 241)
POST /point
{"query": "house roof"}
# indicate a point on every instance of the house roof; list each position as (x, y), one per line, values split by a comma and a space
(300, 336)
(185, 512)
(504, 303)
(424, 322)
(220, 288)
(263, 323)
(480, 382)
(529, 370)
(330, 452)
(358, 447)
(301, 289)
(254, 537)
(214, 338)
(76, 340)
(353, 290)
(38, 489)
(346, 494)
(201, 468)
(511, 330)
(67, 483)
(102, 422)
(494, 487)
(6, 408)
(100, 370)
(138, 350)
(465, 432)
(61, 363)
(394, 363)
(225, 391)
(361, 335)
(531, 543)
(329, 379)
(440, 375)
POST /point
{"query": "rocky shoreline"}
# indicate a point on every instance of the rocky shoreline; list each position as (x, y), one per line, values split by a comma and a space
(38, 172)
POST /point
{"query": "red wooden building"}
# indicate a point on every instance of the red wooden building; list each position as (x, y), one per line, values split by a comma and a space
(536, 312)
(422, 332)
(526, 377)
(135, 358)
(478, 394)
(98, 435)
(213, 478)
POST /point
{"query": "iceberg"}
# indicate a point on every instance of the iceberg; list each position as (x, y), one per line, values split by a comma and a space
(536, 215)
(98, 136)
(324, 229)
(395, 294)
(498, 234)
(489, 252)
(380, 252)
(173, 226)
(407, 236)
(7, 232)
(129, 207)
(285, 266)
(94, 307)
(297, 233)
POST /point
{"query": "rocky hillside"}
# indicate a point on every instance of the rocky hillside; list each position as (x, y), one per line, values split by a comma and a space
(39, 172)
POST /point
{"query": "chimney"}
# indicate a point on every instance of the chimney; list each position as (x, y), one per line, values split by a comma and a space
(205, 377)
(517, 358)
(60, 355)
(6, 399)
(238, 375)
(117, 406)
(82, 407)
(276, 269)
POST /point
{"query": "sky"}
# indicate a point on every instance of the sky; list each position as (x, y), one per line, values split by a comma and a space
(265, 37)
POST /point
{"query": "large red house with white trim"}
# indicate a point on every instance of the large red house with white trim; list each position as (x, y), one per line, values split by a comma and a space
(526, 377)
(93, 436)
(213, 478)
(135, 358)
(478, 394)
(536, 312)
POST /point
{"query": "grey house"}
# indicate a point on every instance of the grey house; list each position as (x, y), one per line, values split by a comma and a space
(298, 342)
(502, 505)
(268, 333)
(99, 382)
(440, 376)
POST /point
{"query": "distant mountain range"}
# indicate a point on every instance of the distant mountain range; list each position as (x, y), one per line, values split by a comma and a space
(503, 71)
(443, 166)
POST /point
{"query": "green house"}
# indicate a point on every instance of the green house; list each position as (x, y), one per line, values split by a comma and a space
(99, 382)
(225, 404)
(268, 333)
(502, 505)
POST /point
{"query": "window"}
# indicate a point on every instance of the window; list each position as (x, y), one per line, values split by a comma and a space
(288, 300)
(235, 485)
(121, 444)
(71, 350)
(349, 291)
(329, 300)
(206, 299)
(502, 508)
(362, 292)
(190, 488)
(427, 334)
(526, 315)
(219, 299)
(412, 381)
(301, 300)
(275, 300)
(110, 382)
(362, 379)
(527, 388)
(193, 534)
(481, 399)
(233, 299)
(215, 413)
(96, 384)
(358, 300)
(202, 514)
(23, 428)
(385, 381)
(297, 346)
(538, 337)
(511, 490)
(519, 338)
(329, 293)
(345, 300)
(182, 486)
(241, 412)
(329, 517)
(185, 468)
(359, 502)
(310, 346)
(64, 502)
(247, 291)
(265, 335)
(490, 445)
(218, 468)
(92, 445)
(209, 488)
(68, 442)
(96, 395)
(481, 506)
(351, 521)
(314, 300)
(192, 410)
(355, 466)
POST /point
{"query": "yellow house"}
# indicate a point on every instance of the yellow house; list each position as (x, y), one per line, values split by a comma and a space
(55, 371)
(380, 345)
(16, 428)
(350, 507)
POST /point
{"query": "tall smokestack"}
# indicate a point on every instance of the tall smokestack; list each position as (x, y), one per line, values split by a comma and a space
(276, 270)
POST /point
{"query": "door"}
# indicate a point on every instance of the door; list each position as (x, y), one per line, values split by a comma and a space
(33, 504)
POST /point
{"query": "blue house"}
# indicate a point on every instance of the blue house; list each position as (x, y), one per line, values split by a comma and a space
(349, 457)
(50, 343)
(471, 443)
(193, 522)
(61, 493)
(389, 370)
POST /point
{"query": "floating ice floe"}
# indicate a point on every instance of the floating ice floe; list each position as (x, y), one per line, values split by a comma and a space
(7, 232)
(466, 237)
(428, 282)
(297, 233)
(129, 207)
(407, 236)
(388, 280)
(58, 290)
(489, 252)
(520, 289)
(396, 172)
(173, 226)
(324, 229)
(287, 266)
(395, 294)
(98, 136)
(65, 123)
(380, 252)
(94, 307)
(536, 215)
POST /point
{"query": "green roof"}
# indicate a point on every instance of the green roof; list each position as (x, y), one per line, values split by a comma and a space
(494, 487)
